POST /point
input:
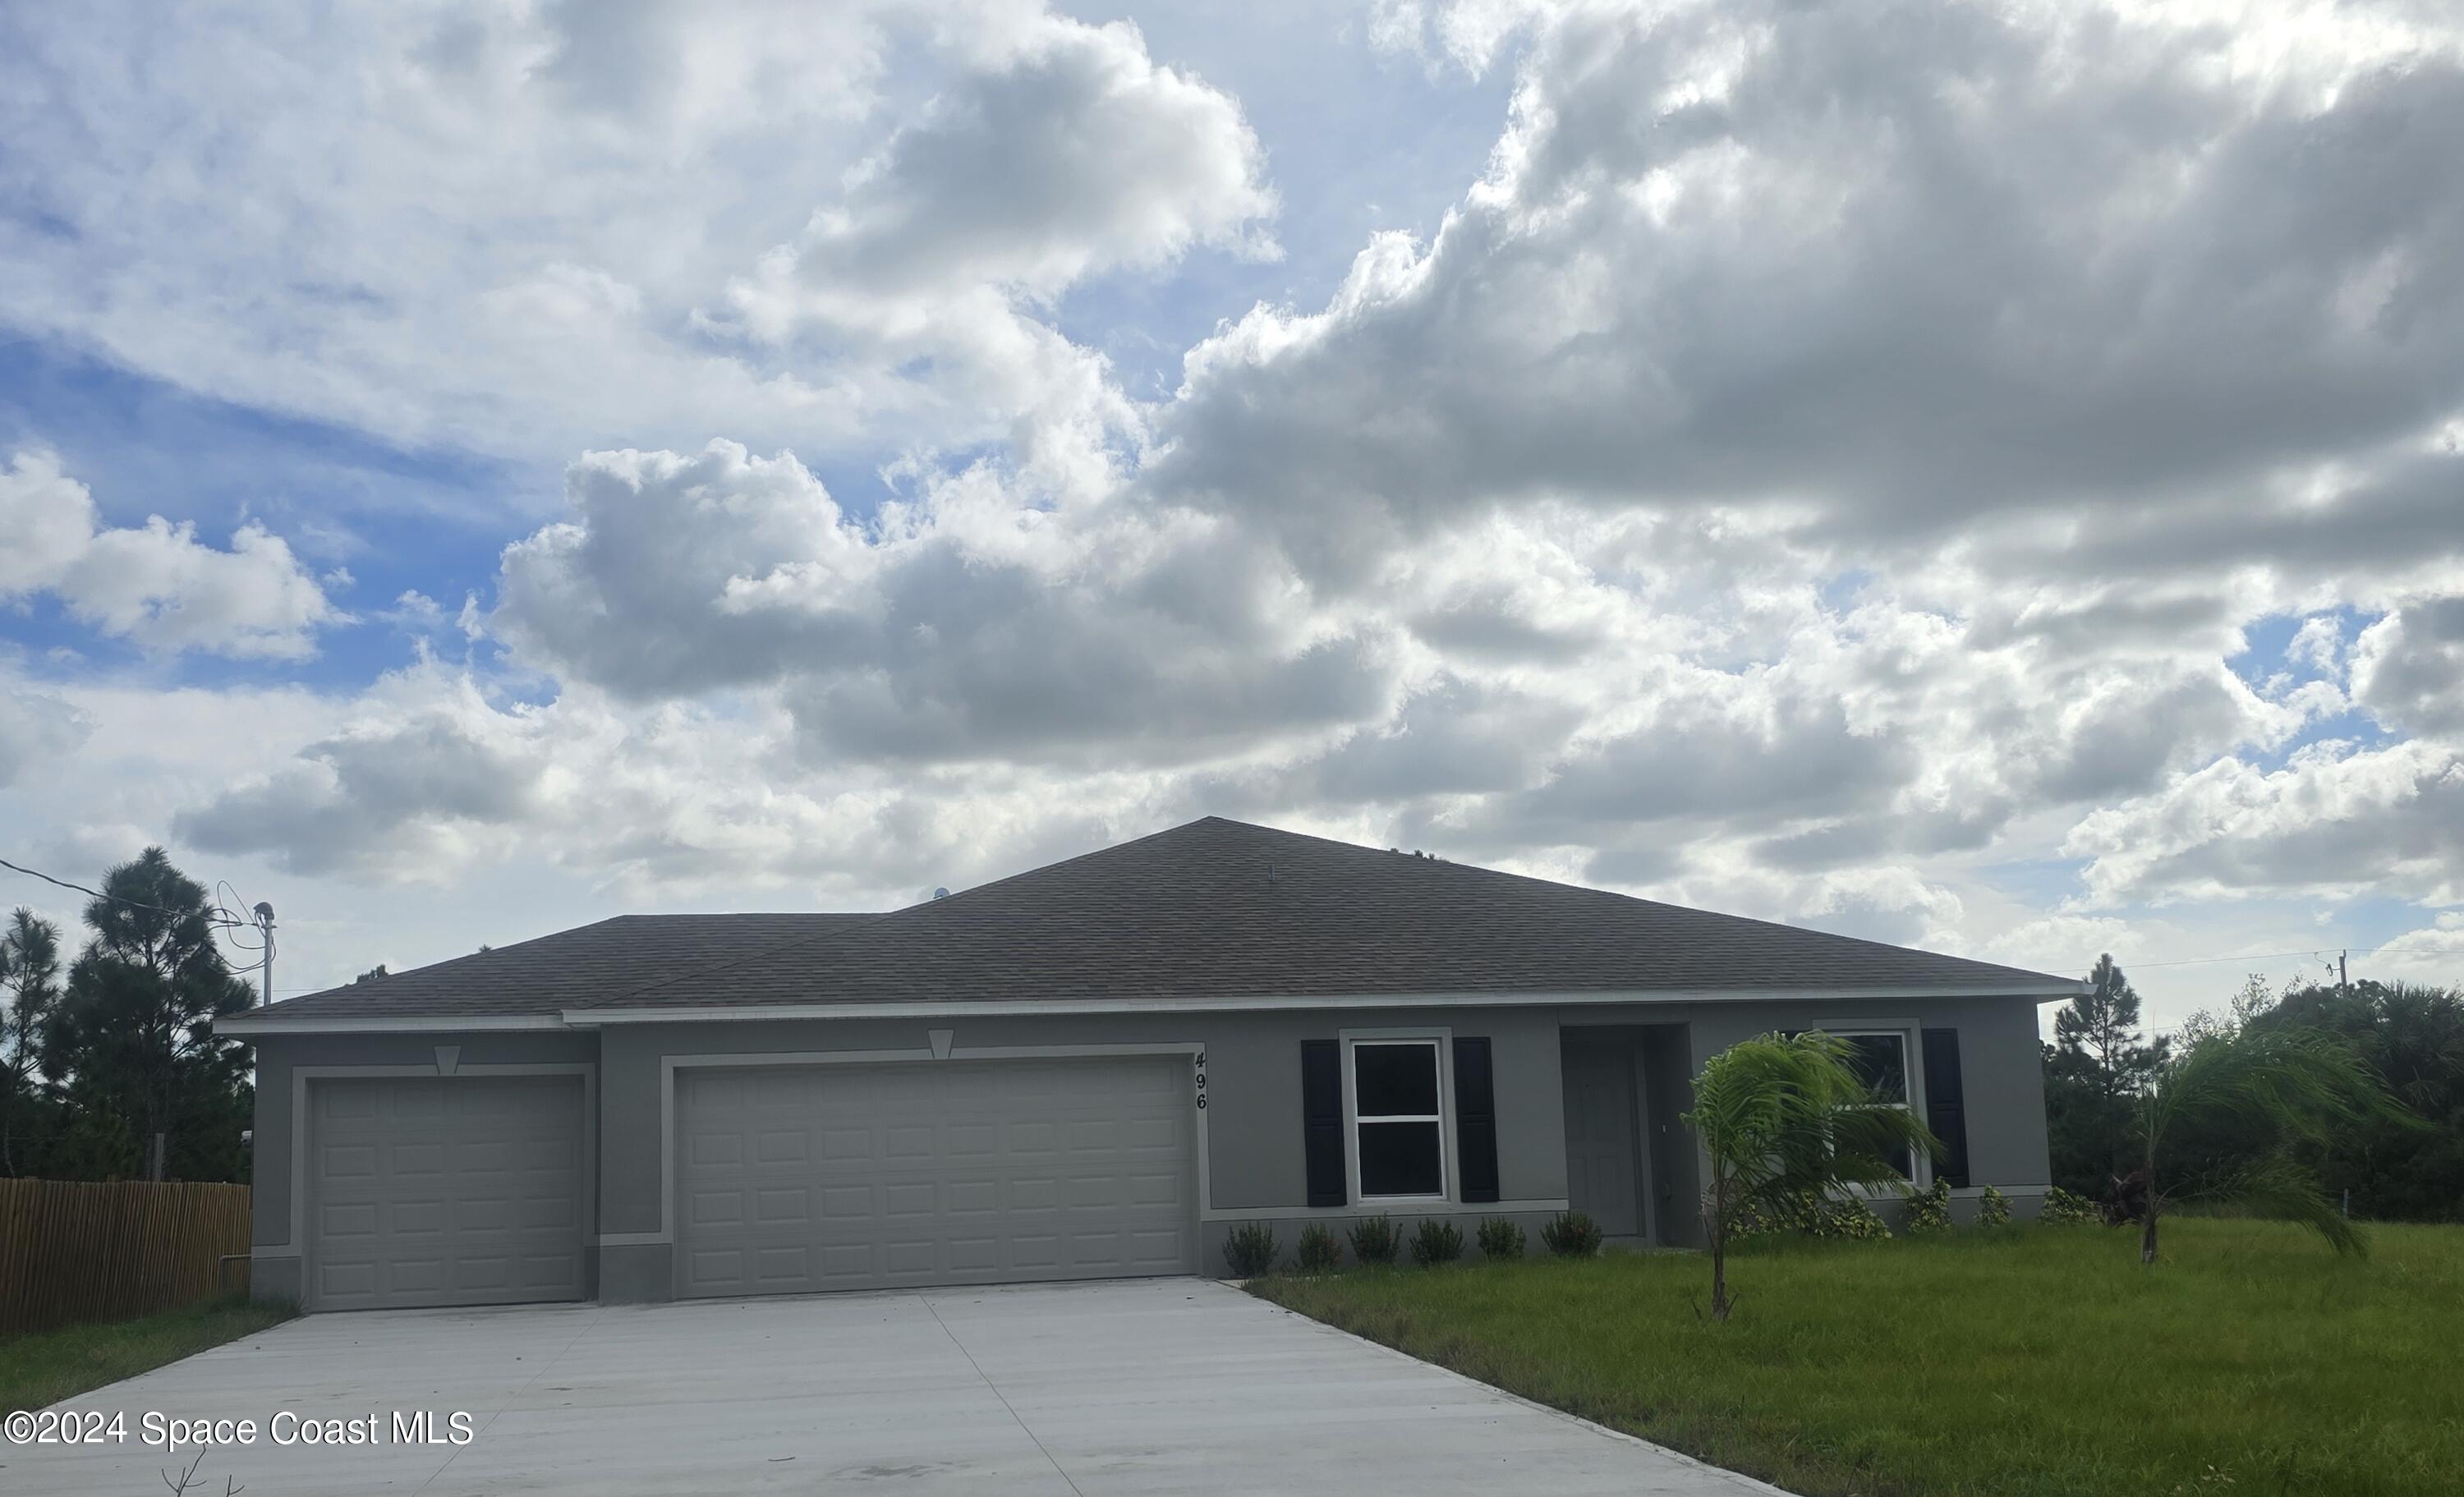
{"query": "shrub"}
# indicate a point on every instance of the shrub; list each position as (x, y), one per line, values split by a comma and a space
(1807, 1214)
(1374, 1240)
(2062, 1208)
(1250, 1251)
(1571, 1234)
(1318, 1251)
(1852, 1221)
(1929, 1209)
(1994, 1209)
(1500, 1238)
(1435, 1242)
(1771, 1216)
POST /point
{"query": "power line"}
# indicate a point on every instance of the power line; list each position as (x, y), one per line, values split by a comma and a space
(2320, 952)
(235, 926)
(215, 912)
(221, 920)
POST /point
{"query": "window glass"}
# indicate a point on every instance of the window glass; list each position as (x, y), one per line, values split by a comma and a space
(1397, 1112)
(1882, 1062)
(1398, 1080)
(1400, 1159)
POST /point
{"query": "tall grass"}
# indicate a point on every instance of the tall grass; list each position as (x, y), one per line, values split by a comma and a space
(2027, 1361)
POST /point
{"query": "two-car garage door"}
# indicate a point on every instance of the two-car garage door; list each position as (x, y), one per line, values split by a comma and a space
(832, 1176)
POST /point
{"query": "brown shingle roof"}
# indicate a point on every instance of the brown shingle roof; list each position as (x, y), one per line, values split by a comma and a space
(1222, 908)
(1216, 908)
(570, 968)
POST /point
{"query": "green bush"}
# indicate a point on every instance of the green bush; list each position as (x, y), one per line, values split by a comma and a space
(1500, 1238)
(1994, 1209)
(1571, 1234)
(1929, 1209)
(2062, 1208)
(1318, 1251)
(1807, 1214)
(1770, 1216)
(1249, 1249)
(1852, 1221)
(1374, 1240)
(1435, 1242)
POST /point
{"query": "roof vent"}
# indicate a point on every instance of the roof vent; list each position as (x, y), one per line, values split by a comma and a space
(940, 894)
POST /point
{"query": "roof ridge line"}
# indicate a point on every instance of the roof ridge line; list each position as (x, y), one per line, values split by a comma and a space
(1042, 869)
(672, 979)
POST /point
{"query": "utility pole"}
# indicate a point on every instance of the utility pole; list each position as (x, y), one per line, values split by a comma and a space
(2343, 989)
(265, 961)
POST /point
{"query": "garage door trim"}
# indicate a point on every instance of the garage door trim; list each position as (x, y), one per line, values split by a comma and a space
(1194, 1052)
(303, 1126)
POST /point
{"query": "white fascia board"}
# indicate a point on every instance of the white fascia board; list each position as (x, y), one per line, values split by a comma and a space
(244, 1024)
(726, 1013)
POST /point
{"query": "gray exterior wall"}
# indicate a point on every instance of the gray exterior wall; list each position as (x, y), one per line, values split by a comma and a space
(273, 1271)
(2001, 1062)
(1254, 1166)
(2002, 1073)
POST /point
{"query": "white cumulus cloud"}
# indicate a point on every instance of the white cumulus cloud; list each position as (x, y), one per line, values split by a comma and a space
(155, 583)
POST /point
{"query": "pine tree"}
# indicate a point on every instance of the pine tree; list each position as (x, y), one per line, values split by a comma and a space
(2097, 1065)
(132, 1041)
(29, 978)
(2102, 1027)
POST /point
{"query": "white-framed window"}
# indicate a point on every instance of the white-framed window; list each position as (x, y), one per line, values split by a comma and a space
(1396, 1104)
(1884, 1060)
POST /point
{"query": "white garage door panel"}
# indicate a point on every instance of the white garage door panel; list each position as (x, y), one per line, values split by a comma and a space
(798, 1178)
(444, 1191)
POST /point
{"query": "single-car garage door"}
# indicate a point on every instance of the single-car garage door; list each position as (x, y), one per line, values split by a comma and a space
(460, 1190)
(844, 1176)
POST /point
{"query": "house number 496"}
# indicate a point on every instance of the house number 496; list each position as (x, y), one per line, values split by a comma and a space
(1201, 1061)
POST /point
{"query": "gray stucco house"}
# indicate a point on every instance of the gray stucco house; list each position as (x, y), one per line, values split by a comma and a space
(1096, 1068)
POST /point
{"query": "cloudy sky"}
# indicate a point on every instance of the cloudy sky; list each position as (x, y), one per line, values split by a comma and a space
(1986, 477)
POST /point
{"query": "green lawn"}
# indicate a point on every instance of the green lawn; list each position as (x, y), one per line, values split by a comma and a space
(2020, 1361)
(51, 1365)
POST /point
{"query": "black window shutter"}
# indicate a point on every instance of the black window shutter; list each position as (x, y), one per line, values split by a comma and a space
(1946, 1106)
(1322, 1120)
(1476, 1117)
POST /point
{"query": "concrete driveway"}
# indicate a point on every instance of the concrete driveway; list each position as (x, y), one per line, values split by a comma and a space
(1158, 1385)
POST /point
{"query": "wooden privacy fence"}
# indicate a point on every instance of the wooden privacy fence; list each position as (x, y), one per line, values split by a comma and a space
(76, 1250)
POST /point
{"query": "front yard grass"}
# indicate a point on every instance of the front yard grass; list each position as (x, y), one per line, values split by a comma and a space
(40, 1369)
(2029, 1361)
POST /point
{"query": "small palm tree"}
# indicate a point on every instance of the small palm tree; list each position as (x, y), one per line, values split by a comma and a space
(1783, 1115)
(2282, 1085)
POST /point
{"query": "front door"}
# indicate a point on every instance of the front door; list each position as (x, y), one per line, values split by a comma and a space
(1601, 1176)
